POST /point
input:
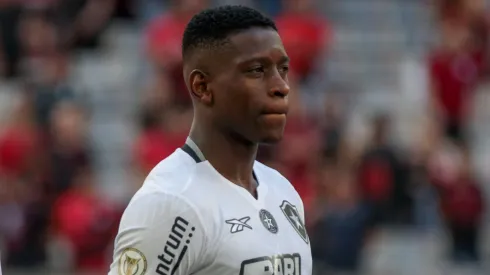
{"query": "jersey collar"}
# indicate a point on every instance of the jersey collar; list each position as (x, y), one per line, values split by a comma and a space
(191, 148)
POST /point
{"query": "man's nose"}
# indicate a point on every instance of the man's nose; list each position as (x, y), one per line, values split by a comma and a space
(279, 87)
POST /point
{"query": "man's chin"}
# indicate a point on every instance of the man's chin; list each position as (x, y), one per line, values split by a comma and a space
(271, 139)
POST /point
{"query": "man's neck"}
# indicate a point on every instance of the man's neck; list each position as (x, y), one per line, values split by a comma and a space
(230, 157)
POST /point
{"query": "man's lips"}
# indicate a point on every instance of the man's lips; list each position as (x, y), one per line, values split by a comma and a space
(279, 109)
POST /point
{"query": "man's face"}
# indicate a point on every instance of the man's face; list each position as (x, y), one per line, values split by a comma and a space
(251, 89)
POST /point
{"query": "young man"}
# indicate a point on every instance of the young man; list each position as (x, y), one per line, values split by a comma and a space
(210, 208)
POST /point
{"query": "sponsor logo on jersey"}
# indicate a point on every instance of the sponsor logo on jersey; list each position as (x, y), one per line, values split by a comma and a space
(175, 247)
(132, 262)
(292, 215)
(284, 264)
(237, 225)
(268, 221)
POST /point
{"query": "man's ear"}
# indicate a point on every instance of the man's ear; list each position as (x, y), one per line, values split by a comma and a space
(199, 85)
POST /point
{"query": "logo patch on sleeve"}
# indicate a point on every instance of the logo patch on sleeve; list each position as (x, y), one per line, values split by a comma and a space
(132, 262)
(292, 215)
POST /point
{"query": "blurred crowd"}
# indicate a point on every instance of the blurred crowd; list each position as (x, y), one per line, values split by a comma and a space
(52, 215)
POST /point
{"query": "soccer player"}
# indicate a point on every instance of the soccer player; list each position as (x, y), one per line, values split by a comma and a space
(210, 208)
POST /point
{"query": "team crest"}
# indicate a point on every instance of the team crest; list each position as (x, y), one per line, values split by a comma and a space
(294, 218)
(132, 262)
(268, 221)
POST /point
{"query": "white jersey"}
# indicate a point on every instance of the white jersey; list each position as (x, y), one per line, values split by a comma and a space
(188, 219)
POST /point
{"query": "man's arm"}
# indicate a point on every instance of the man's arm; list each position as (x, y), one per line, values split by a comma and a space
(159, 234)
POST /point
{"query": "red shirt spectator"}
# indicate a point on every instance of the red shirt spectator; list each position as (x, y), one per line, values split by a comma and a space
(462, 203)
(161, 135)
(16, 148)
(163, 45)
(457, 67)
(164, 34)
(454, 77)
(87, 223)
(460, 195)
(377, 180)
(305, 36)
(19, 141)
(155, 145)
(163, 38)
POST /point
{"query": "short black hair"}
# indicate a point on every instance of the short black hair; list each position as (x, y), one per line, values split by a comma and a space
(211, 27)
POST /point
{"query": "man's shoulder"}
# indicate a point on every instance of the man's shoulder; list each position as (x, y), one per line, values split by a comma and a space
(171, 175)
(165, 185)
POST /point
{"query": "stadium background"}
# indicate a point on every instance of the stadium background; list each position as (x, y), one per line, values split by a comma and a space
(388, 140)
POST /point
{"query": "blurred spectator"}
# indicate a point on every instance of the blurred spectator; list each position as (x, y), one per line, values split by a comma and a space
(82, 22)
(69, 148)
(305, 35)
(342, 230)
(40, 174)
(462, 206)
(161, 136)
(26, 28)
(460, 11)
(164, 127)
(19, 146)
(382, 176)
(45, 64)
(163, 38)
(48, 83)
(86, 222)
(20, 156)
(38, 34)
(19, 142)
(457, 65)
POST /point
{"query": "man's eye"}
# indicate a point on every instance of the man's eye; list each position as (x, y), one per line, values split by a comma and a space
(284, 69)
(257, 70)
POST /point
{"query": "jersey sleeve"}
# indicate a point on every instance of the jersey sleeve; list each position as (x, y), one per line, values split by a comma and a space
(159, 234)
